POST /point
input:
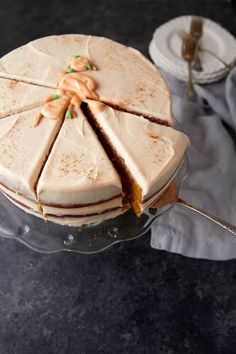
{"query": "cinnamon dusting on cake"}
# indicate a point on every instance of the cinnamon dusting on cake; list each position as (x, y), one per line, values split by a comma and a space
(153, 136)
(13, 84)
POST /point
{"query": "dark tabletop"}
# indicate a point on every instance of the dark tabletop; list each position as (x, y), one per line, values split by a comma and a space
(131, 298)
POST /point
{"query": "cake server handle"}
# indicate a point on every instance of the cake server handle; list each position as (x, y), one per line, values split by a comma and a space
(229, 227)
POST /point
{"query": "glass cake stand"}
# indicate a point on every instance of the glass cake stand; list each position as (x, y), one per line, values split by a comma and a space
(48, 237)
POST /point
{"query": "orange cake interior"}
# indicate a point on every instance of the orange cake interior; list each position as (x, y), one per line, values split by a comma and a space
(145, 162)
(132, 191)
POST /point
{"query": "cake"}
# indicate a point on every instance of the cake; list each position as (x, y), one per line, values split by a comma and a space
(78, 179)
(23, 152)
(147, 154)
(85, 130)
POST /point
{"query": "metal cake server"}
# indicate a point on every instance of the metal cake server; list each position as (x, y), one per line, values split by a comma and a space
(171, 197)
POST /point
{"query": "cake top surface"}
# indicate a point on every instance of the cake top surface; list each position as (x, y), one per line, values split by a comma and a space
(152, 152)
(24, 150)
(125, 78)
(17, 96)
(52, 154)
(78, 170)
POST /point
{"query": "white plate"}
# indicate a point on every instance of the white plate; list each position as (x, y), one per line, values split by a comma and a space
(165, 49)
(159, 57)
(184, 75)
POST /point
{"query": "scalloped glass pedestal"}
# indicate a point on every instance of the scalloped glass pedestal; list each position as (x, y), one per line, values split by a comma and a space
(48, 237)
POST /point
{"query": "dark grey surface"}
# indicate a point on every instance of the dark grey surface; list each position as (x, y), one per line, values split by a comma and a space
(130, 299)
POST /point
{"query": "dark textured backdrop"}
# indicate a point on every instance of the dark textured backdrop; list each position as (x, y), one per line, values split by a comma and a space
(130, 299)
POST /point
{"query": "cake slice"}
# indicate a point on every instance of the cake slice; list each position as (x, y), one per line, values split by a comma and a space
(23, 151)
(147, 155)
(78, 179)
(125, 78)
(16, 96)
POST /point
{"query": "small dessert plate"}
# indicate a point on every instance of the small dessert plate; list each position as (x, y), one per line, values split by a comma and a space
(165, 49)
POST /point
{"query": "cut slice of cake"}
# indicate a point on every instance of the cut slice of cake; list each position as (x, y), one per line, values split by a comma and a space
(23, 151)
(125, 78)
(16, 96)
(146, 154)
(78, 180)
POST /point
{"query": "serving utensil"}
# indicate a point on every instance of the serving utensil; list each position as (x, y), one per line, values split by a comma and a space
(188, 53)
(196, 31)
(171, 197)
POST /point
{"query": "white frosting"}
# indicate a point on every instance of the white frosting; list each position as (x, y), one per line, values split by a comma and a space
(16, 96)
(6, 125)
(78, 170)
(23, 150)
(124, 76)
(151, 152)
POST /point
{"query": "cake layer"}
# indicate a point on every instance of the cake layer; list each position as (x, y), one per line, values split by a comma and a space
(82, 210)
(78, 172)
(124, 76)
(60, 210)
(24, 149)
(148, 153)
(16, 96)
(67, 219)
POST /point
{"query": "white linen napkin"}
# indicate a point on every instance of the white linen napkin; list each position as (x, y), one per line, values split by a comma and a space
(210, 124)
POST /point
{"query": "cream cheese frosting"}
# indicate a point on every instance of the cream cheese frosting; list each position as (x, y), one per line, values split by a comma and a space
(78, 172)
(125, 77)
(151, 152)
(23, 150)
(16, 96)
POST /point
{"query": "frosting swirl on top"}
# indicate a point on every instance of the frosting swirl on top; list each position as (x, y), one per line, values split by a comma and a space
(55, 109)
(73, 87)
(79, 63)
(81, 85)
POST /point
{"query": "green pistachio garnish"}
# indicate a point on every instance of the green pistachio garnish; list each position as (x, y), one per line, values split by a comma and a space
(69, 114)
(70, 70)
(75, 56)
(88, 66)
(55, 97)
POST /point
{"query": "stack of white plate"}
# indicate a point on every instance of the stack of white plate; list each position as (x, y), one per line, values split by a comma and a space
(165, 50)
